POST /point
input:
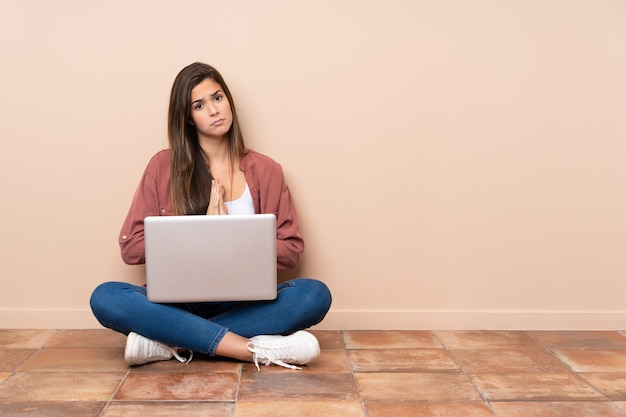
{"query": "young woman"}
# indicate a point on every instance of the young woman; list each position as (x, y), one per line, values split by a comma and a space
(208, 170)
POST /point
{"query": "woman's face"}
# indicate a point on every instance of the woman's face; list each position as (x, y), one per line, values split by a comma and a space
(210, 110)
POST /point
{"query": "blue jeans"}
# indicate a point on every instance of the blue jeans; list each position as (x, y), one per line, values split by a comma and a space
(123, 307)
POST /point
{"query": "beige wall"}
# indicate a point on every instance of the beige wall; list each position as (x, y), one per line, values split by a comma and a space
(456, 164)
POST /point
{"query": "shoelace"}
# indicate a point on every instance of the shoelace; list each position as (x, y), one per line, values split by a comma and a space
(268, 356)
(180, 358)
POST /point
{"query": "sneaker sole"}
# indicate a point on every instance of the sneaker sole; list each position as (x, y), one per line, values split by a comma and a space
(313, 340)
(129, 351)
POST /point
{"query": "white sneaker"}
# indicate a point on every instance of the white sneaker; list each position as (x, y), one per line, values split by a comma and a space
(140, 350)
(298, 348)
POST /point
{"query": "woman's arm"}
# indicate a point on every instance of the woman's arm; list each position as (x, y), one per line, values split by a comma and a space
(270, 194)
(289, 242)
(151, 199)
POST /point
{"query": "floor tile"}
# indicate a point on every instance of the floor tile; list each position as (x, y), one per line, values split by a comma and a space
(428, 410)
(402, 360)
(25, 338)
(87, 338)
(169, 409)
(380, 339)
(478, 339)
(593, 360)
(434, 387)
(534, 386)
(181, 386)
(330, 360)
(59, 386)
(556, 409)
(580, 339)
(77, 360)
(52, 409)
(329, 339)
(621, 405)
(508, 360)
(11, 359)
(198, 364)
(613, 385)
(296, 385)
(400, 373)
(318, 408)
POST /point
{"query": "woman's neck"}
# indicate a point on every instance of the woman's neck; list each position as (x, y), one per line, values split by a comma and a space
(216, 151)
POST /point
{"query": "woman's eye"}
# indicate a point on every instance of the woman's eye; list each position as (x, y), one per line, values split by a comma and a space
(218, 98)
(198, 106)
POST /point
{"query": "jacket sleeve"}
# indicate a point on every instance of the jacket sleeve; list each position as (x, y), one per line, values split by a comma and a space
(145, 203)
(270, 194)
(289, 242)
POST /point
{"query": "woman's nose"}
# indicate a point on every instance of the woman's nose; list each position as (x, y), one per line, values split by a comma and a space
(212, 108)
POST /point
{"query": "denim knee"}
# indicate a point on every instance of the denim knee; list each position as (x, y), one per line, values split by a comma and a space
(107, 304)
(96, 302)
(315, 295)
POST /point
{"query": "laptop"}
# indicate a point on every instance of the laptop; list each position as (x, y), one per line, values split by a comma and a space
(210, 258)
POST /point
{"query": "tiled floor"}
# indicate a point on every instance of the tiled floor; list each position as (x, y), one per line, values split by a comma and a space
(360, 373)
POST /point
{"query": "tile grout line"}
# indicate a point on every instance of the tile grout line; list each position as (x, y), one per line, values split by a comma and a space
(356, 384)
(15, 371)
(115, 391)
(234, 410)
(485, 400)
(575, 372)
(42, 347)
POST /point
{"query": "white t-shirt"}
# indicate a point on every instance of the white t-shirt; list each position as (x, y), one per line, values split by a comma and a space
(242, 205)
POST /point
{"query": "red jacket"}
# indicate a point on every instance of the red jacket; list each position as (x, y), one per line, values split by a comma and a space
(270, 194)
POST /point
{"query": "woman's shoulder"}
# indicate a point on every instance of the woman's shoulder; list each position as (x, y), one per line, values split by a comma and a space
(161, 157)
(259, 160)
(159, 162)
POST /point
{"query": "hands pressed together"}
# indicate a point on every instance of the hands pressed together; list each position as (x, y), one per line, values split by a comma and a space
(216, 202)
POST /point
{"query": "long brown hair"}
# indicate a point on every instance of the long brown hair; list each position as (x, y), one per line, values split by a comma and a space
(191, 179)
